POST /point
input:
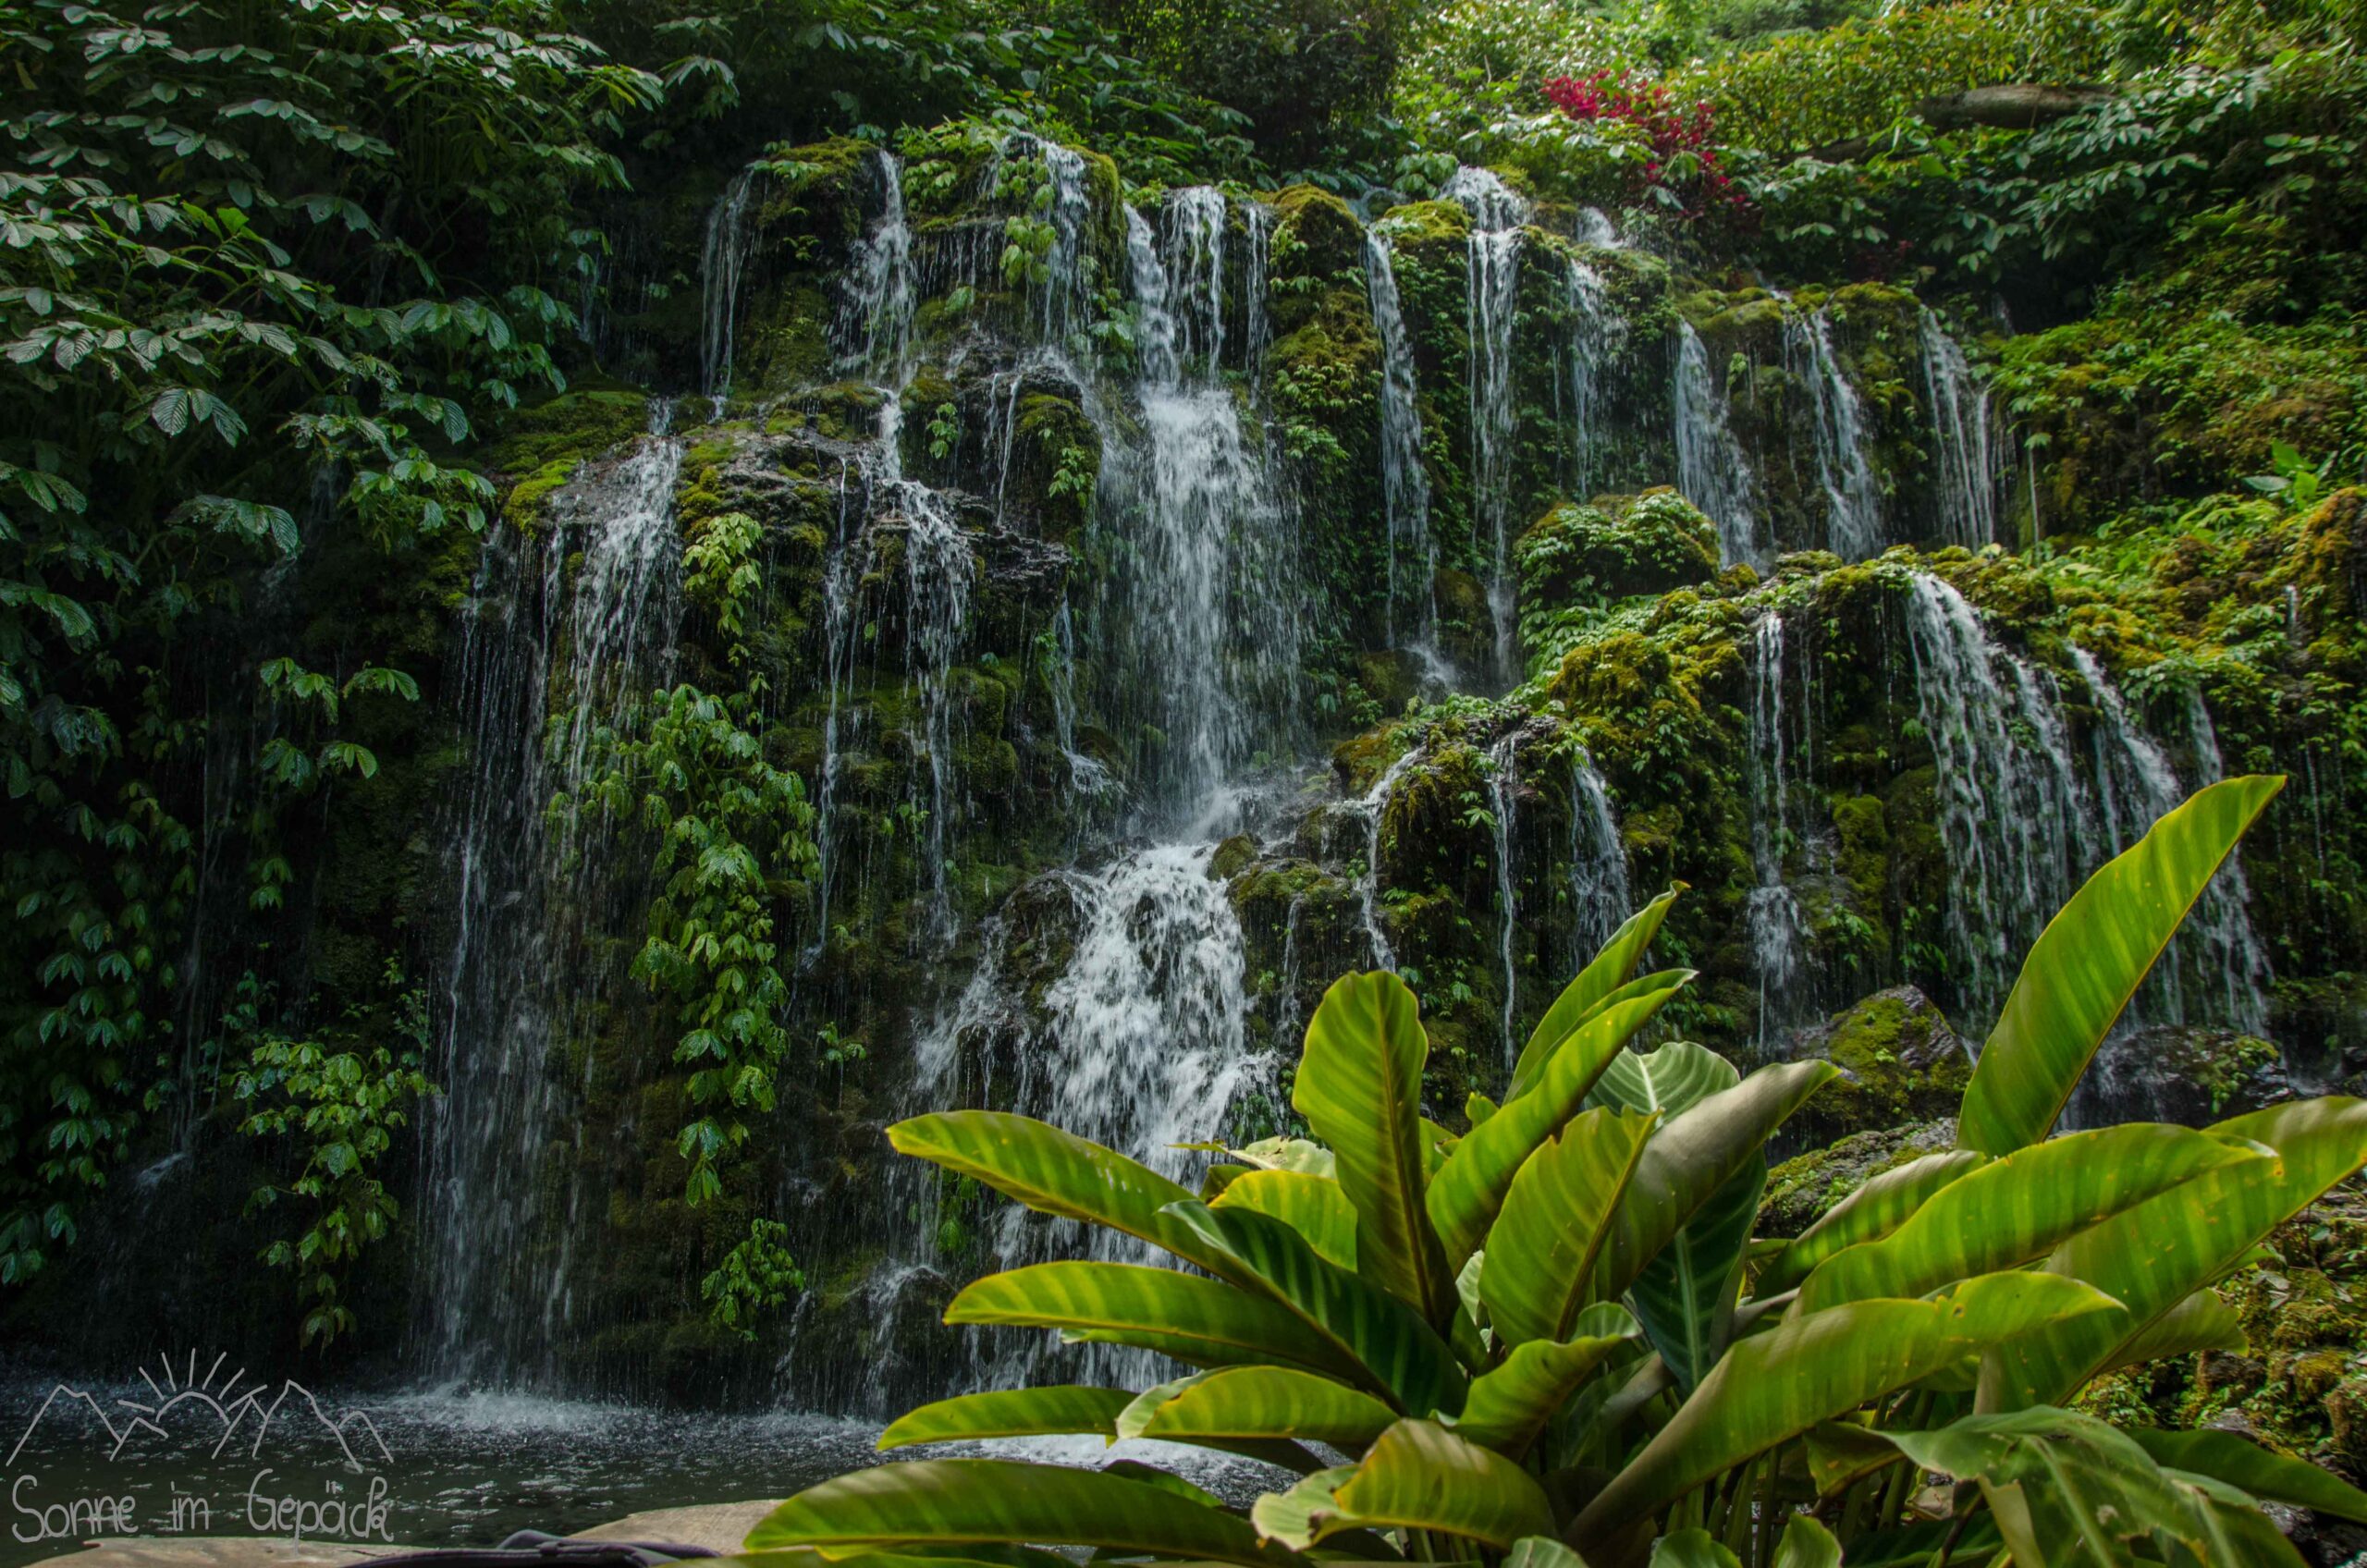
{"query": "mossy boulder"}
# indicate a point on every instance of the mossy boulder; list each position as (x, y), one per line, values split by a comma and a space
(1804, 1189)
(2176, 1072)
(1900, 1063)
(1615, 547)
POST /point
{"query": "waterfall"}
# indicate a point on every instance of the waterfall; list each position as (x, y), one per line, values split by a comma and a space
(722, 259)
(1212, 602)
(2023, 828)
(1597, 333)
(1711, 468)
(2007, 810)
(1405, 483)
(1257, 220)
(1503, 804)
(546, 667)
(1087, 776)
(1967, 460)
(1853, 498)
(1372, 807)
(1059, 301)
(1144, 1047)
(876, 319)
(1490, 293)
(2217, 970)
(1778, 926)
(1599, 891)
(1194, 268)
(939, 567)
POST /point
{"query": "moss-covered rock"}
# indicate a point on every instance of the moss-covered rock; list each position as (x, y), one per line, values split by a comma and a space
(1900, 1064)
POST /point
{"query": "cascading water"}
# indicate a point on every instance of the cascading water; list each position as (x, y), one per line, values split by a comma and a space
(1967, 463)
(1503, 806)
(2215, 950)
(1852, 498)
(1599, 895)
(1597, 334)
(1372, 808)
(1711, 468)
(1491, 292)
(1406, 482)
(2023, 827)
(548, 667)
(1778, 926)
(724, 257)
(877, 318)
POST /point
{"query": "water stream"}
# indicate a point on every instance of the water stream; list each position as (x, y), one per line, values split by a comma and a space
(1490, 293)
(1711, 468)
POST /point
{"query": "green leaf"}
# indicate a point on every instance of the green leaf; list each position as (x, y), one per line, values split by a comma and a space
(1359, 1087)
(2244, 1465)
(2088, 962)
(954, 1501)
(1510, 1403)
(2153, 1258)
(1770, 1388)
(1418, 1476)
(1807, 1544)
(1204, 1322)
(1053, 1173)
(1542, 1251)
(1009, 1413)
(1869, 1214)
(1468, 1191)
(1676, 1077)
(1265, 1402)
(1685, 1296)
(1691, 1157)
(2201, 1322)
(1315, 1207)
(1297, 1517)
(2071, 1489)
(1692, 1549)
(1605, 975)
(1541, 1552)
(2018, 1209)
(1392, 1351)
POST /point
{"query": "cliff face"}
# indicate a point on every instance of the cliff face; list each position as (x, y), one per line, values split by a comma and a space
(1116, 620)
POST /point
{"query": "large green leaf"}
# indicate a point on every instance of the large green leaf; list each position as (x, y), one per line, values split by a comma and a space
(1205, 1322)
(1053, 1173)
(1595, 983)
(1359, 1087)
(2201, 1322)
(1261, 1403)
(1510, 1403)
(1869, 1214)
(2153, 1258)
(1772, 1386)
(1468, 1191)
(1541, 1552)
(2244, 1465)
(1009, 1413)
(2070, 1489)
(1393, 1352)
(1807, 1544)
(1676, 1077)
(1315, 1207)
(1691, 1157)
(957, 1502)
(1418, 1476)
(1542, 1251)
(2018, 1209)
(2088, 962)
(1685, 1296)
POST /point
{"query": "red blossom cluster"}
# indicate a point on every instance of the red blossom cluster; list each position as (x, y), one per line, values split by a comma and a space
(1670, 130)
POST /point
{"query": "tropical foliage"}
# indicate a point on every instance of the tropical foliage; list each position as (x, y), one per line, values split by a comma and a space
(1552, 1340)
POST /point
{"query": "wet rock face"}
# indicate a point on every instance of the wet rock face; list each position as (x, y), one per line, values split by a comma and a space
(2177, 1072)
(1901, 1062)
(1803, 1190)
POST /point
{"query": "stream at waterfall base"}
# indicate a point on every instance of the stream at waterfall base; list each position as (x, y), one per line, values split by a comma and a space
(447, 1468)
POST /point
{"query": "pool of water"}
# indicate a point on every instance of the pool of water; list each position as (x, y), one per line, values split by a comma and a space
(430, 1468)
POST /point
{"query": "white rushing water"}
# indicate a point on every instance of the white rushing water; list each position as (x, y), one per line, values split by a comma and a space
(1853, 498)
(532, 892)
(2024, 828)
(721, 261)
(1490, 293)
(1777, 924)
(1503, 804)
(1968, 459)
(1600, 896)
(1711, 468)
(1413, 559)
(1597, 334)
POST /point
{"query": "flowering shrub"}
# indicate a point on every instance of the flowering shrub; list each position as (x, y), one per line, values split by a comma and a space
(1681, 171)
